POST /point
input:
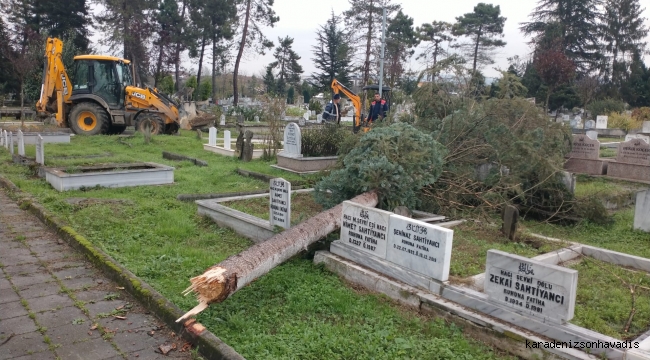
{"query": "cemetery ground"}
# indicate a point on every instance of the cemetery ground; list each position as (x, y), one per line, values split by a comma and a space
(300, 310)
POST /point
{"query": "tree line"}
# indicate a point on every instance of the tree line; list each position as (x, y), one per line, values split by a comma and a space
(580, 49)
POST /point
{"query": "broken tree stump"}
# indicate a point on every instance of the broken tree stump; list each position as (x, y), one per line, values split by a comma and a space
(222, 280)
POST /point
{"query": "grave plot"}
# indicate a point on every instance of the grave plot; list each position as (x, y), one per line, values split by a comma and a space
(542, 294)
(248, 216)
(108, 175)
(311, 152)
(228, 147)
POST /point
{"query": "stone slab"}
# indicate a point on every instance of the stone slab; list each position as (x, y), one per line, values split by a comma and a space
(601, 121)
(617, 258)
(531, 287)
(383, 266)
(585, 166)
(95, 349)
(280, 203)
(642, 211)
(645, 138)
(121, 176)
(365, 228)
(628, 171)
(305, 164)
(226, 151)
(421, 247)
(490, 318)
(646, 127)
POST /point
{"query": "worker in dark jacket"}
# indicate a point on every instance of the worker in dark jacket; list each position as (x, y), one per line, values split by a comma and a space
(378, 109)
(332, 110)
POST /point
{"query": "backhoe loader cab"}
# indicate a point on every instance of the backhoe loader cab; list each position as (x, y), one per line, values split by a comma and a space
(100, 97)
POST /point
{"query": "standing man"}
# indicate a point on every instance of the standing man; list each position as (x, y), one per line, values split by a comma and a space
(378, 110)
(332, 110)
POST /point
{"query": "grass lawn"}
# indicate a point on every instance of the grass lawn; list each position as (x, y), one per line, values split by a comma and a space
(618, 236)
(472, 241)
(303, 207)
(607, 153)
(296, 311)
(604, 299)
(610, 139)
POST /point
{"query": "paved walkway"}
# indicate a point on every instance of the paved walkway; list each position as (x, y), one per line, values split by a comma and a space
(55, 305)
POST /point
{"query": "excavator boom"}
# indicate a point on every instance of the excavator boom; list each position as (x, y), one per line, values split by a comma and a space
(55, 90)
(337, 87)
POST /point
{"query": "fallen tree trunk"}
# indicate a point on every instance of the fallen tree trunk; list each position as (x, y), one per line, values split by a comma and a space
(220, 281)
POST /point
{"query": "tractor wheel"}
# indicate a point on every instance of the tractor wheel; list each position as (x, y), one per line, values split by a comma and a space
(116, 129)
(88, 118)
(153, 121)
(171, 129)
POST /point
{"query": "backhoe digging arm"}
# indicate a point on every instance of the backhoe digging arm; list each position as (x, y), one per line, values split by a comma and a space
(356, 100)
(55, 89)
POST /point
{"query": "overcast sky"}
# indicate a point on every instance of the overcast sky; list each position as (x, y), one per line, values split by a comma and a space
(301, 19)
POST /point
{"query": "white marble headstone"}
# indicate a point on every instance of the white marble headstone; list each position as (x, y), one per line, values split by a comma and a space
(306, 115)
(645, 138)
(419, 246)
(292, 141)
(11, 142)
(573, 123)
(257, 118)
(212, 136)
(6, 138)
(319, 118)
(531, 287)
(313, 112)
(302, 122)
(590, 124)
(642, 211)
(222, 120)
(365, 228)
(21, 143)
(2, 137)
(566, 118)
(601, 122)
(280, 203)
(646, 127)
(226, 139)
(592, 134)
(40, 150)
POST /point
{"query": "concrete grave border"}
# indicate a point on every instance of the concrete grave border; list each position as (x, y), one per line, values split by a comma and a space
(305, 165)
(210, 346)
(470, 305)
(249, 226)
(155, 174)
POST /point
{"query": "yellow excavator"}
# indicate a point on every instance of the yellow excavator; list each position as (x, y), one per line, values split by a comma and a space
(359, 121)
(101, 97)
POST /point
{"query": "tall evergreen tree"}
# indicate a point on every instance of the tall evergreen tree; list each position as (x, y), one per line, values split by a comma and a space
(331, 55)
(623, 32)
(253, 15)
(635, 90)
(577, 22)
(269, 81)
(363, 21)
(286, 65)
(482, 26)
(126, 24)
(63, 18)
(401, 39)
(168, 22)
(434, 34)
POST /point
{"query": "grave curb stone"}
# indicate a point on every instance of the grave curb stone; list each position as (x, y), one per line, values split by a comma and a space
(209, 345)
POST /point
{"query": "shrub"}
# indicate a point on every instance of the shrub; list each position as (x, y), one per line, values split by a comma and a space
(396, 161)
(315, 106)
(606, 106)
(641, 114)
(622, 121)
(294, 111)
(324, 141)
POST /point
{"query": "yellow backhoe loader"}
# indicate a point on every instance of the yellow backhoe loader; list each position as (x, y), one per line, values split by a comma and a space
(101, 97)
